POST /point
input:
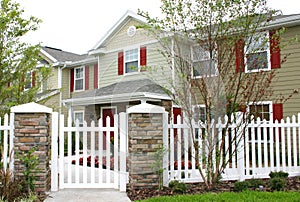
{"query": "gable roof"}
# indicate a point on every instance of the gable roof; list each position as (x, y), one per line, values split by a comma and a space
(117, 26)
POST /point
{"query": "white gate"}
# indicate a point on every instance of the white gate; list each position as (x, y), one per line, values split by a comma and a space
(91, 156)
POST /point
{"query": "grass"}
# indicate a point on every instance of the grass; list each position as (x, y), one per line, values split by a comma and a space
(247, 196)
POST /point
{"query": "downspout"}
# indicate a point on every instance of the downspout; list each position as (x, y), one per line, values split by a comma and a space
(173, 72)
(60, 86)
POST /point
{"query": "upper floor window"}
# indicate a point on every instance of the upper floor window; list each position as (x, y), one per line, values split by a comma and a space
(131, 60)
(79, 78)
(204, 62)
(257, 52)
(29, 80)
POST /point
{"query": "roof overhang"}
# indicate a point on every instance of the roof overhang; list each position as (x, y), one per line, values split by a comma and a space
(118, 98)
(123, 20)
(288, 21)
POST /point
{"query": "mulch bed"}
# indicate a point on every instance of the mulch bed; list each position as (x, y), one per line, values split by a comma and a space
(293, 184)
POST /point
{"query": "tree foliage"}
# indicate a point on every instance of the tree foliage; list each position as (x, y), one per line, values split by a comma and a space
(20, 78)
(213, 30)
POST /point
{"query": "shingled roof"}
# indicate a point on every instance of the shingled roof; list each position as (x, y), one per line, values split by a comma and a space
(125, 87)
(63, 56)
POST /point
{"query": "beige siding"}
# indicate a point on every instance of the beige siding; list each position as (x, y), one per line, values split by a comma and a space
(158, 69)
(289, 75)
(108, 71)
(65, 83)
(52, 102)
(121, 40)
(52, 80)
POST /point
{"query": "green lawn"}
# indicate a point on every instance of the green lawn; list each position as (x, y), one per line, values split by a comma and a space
(248, 196)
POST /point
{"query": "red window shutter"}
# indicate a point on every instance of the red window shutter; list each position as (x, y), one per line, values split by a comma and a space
(95, 76)
(33, 79)
(86, 78)
(239, 56)
(277, 111)
(143, 57)
(121, 63)
(274, 50)
(72, 80)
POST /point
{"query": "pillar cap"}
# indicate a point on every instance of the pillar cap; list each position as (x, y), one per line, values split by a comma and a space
(31, 107)
(146, 108)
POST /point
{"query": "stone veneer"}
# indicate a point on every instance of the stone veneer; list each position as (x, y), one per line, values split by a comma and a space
(33, 130)
(145, 137)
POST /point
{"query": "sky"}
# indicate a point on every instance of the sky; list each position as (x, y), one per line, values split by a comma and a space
(77, 25)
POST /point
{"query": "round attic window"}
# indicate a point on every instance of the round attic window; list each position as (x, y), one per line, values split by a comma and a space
(131, 31)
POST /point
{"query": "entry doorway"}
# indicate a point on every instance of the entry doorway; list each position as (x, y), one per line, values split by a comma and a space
(108, 112)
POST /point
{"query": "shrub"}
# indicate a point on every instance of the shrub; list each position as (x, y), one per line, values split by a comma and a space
(11, 189)
(255, 183)
(279, 174)
(277, 183)
(178, 187)
(241, 186)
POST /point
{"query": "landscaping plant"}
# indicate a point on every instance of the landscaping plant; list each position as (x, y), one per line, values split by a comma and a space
(30, 161)
(277, 180)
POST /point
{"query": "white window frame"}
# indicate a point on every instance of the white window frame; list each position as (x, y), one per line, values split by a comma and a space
(127, 61)
(83, 78)
(78, 112)
(215, 63)
(247, 50)
(270, 103)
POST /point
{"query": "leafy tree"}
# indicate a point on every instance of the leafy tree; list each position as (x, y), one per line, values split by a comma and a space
(201, 40)
(20, 79)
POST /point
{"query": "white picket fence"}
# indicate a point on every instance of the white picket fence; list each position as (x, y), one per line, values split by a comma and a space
(7, 136)
(264, 147)
(85, 161)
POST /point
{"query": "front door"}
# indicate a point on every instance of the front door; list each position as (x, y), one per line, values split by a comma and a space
(108, 112)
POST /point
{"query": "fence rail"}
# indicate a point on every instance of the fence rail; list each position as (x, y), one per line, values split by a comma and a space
(261, 147)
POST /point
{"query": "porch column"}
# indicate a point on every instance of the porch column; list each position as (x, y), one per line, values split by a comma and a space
(145, 134)
(33, 130)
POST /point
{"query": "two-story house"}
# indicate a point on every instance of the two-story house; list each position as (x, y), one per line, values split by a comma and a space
(125, 68)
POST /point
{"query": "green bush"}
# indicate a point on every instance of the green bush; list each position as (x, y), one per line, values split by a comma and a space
(255, 183)
(277, 183)
(241, 186)
(178, 187)
(279, 174)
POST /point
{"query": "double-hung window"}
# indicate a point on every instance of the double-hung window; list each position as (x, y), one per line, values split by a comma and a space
(132, 60)
(79, 78)
(263, 110)
(204, 62)
(257, 49)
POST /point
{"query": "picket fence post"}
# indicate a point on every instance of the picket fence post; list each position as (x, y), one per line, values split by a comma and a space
(240, 125)
(123, 151)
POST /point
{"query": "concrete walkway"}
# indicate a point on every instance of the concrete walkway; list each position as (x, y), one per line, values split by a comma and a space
(87, 195)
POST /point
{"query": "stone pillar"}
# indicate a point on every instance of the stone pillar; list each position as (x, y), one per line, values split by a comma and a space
(32, 129)
(145, 134)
